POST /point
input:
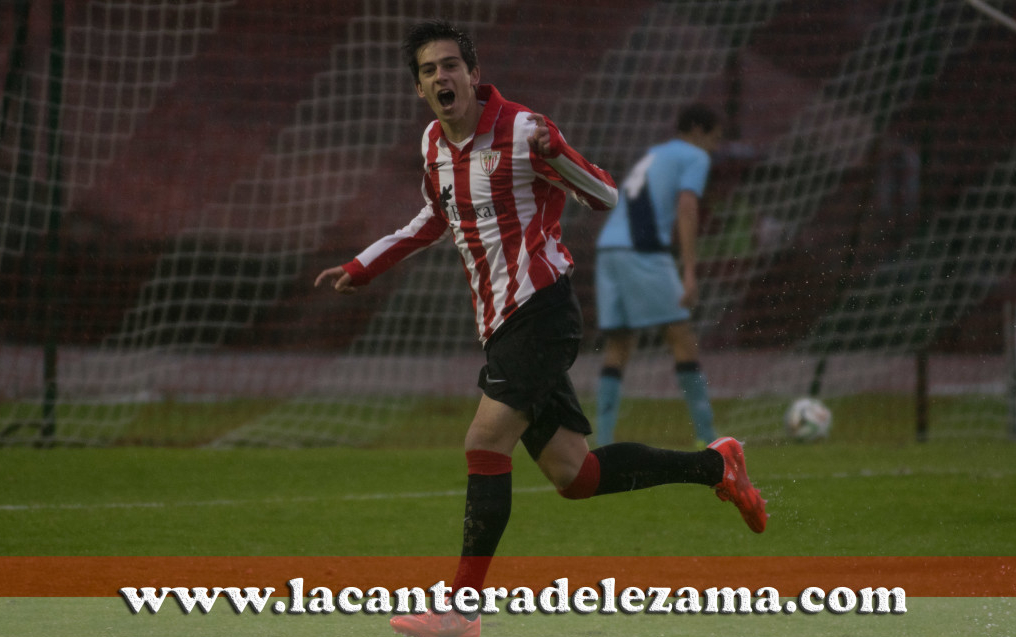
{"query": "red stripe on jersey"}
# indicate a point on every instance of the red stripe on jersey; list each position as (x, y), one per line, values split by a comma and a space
(576, 173)
(433, 183)
(384, 254)
(471, 234)
(503, 180)
(549, 200)
(433, 133)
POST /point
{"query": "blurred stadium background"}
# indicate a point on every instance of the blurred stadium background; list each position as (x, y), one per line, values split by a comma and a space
(174, 174)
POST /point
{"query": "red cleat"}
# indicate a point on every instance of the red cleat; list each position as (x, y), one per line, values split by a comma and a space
(431, 624)
(736, 487)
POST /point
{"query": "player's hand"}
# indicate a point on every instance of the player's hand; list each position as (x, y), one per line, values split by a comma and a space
(339, 279)
(540, 140)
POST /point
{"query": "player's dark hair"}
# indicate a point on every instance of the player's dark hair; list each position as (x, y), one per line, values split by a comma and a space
(697, 115)
(432, 31)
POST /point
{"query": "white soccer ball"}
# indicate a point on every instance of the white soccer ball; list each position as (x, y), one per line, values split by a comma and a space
(808, 419)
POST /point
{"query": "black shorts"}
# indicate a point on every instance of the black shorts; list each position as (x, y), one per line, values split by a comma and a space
(528, 358)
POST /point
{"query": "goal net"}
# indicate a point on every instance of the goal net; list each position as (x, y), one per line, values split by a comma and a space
(174, 175)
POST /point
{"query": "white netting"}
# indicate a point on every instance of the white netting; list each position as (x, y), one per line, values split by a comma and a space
(858, 329)
(217, 155)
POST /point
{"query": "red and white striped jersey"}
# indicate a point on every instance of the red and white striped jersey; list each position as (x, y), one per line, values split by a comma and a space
(502, 205)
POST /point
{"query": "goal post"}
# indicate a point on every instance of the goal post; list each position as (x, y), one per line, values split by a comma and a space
(1009, 329)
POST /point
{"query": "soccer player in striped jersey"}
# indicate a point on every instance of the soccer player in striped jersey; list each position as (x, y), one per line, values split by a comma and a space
(637, 281)
(495, 179)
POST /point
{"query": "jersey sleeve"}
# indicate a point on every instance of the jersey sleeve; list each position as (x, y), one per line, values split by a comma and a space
(591, 185)
(420, 233)
(694, 176)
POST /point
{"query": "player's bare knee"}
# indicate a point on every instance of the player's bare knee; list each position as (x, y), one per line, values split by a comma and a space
(562, 481)
(575, 478)
(558, 473)
(576, 488)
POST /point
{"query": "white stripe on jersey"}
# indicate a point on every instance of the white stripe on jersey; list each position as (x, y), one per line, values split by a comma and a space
(587, 184)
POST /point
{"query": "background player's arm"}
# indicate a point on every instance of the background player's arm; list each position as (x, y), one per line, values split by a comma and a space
(687, 233)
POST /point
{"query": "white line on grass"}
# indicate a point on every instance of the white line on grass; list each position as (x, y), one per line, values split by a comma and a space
(424, 495)
(352, 497)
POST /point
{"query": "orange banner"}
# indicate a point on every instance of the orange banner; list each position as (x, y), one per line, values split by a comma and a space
(104, 576)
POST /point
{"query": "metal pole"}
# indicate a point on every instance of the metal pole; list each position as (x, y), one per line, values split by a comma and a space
(54, 101)
(921, 395)
(1009, 329)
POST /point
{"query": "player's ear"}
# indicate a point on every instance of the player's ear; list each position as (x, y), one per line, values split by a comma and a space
(474, 76)
(419, 89)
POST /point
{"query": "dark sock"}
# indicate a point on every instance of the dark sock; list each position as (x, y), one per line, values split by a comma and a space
(488, 507)
(627, 466)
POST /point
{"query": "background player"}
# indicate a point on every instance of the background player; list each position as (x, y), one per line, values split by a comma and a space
(496, 177)
(637, 282)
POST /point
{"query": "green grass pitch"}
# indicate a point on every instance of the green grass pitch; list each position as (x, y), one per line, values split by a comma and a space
(937, 498)
(864, 418)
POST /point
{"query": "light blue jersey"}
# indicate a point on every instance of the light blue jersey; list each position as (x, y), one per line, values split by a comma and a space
(643, 219)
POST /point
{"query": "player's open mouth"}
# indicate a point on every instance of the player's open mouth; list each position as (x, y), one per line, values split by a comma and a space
(446, 97)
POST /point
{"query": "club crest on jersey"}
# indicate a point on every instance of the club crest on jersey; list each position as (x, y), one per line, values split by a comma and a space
(489, 159)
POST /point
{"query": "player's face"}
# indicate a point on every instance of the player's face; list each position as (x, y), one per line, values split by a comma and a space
(446, 82)
(711, 140)
(708, 142)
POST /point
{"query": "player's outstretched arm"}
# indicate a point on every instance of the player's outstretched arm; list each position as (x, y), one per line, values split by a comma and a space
(561, 163)
(384, 253)
(339, 279)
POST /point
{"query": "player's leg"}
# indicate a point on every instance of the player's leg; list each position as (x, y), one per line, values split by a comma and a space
(691, 379)
(622, 466)
(496, 427)
(617, 348)
(578, 473)
(633, 291)
(556, 439)
(492, 435)
(562, 458)
(527, 361)
(612, 321)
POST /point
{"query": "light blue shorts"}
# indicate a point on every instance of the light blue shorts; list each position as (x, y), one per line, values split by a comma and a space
(637, 289)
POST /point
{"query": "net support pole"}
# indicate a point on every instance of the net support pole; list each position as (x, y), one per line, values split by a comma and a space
(54, 100)
(15, 77)
(734, 95)
(921, 394)
(1009, 329)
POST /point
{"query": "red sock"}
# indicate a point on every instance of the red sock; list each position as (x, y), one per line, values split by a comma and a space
(585, 483)
(472, 571)
(487, 463)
